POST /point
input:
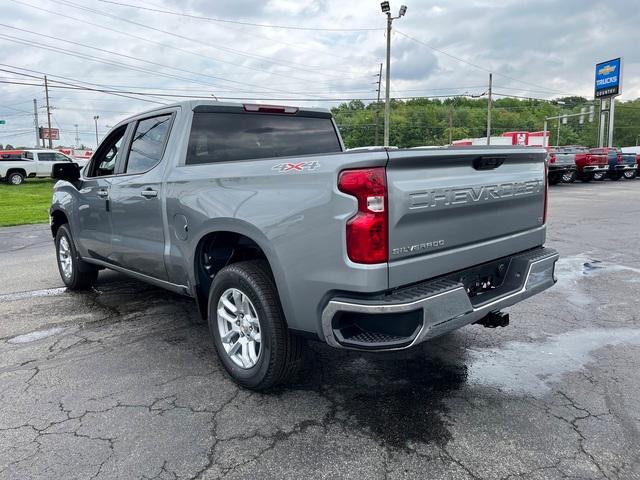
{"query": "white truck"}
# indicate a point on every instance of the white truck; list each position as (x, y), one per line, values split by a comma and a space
(17, 166)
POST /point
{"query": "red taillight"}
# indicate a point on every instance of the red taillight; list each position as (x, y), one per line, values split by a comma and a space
(368, 229)
(619, 159)
(552, 158)
(252, 107)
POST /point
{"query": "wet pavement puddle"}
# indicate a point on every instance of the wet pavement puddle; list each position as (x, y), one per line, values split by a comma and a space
(531, 368)
(35, 336)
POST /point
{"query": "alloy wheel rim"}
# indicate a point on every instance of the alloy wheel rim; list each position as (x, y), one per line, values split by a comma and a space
(15, 180)
(64, 257)
(239, 328)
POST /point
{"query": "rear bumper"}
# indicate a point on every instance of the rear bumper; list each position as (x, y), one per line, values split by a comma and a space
(595, 168)
(435, 307)
(555, 168)
(621, 168)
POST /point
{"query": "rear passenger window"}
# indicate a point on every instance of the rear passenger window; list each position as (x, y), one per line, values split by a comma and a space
(224, 137)
(148, 143)
(46, 156)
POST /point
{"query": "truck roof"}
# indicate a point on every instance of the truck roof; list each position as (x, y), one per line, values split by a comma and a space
(192, 104)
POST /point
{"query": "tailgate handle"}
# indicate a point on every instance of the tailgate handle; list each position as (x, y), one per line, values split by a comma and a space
(487, 163)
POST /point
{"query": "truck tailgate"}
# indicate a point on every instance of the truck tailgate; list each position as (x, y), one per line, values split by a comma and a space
(453, 208)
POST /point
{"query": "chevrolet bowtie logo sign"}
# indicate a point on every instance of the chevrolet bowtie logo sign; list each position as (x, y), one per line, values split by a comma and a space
(606, 70)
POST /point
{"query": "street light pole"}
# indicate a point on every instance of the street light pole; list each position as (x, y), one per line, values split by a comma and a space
(95, 119)
(489, 109)
(386, 9)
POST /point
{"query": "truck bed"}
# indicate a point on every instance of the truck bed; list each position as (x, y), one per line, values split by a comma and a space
(455, 207)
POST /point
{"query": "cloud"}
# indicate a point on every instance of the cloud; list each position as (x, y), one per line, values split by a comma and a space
(544, 49)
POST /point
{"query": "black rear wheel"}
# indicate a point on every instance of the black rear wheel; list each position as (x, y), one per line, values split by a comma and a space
(630, 174)
(15, 178)
(586, 177)
(555, 179)
(569, 177)
(248, 327)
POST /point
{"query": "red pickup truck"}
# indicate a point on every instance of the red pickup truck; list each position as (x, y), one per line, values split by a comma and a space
(591, 164)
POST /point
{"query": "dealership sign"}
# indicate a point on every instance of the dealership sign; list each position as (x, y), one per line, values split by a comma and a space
(608, 78)
(46, 134)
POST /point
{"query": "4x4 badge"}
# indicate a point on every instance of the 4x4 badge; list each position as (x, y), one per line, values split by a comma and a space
(295, 167)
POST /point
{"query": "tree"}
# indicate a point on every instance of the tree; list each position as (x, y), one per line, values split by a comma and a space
(425, 121)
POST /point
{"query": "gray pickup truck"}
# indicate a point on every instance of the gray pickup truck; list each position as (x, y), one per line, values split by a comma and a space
(278, 233)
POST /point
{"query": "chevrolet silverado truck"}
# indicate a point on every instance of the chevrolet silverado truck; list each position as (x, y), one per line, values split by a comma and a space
(620, 164)
(279, 234)
(22, 164)
(14, 168)
(591, 164)
(562, 165)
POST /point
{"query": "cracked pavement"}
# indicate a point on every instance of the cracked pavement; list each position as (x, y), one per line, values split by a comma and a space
(119, 383)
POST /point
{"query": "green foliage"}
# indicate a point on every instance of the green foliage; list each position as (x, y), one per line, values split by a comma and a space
(433, 121)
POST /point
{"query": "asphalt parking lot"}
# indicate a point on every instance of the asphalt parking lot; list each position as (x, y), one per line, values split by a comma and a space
(119, 383)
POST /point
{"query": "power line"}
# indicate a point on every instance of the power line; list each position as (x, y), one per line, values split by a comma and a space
(212, 19)
(122, 65)
(475, 65)
(280, 99)
(116, 93)
(317, 70)
(164, 45)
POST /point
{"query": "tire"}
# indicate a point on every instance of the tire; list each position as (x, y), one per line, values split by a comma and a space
(268, 354)
(615, 176)
(599, 176)
(75, 273)
(630, 174)
(555, 179)
(570, 177)
(15, 178)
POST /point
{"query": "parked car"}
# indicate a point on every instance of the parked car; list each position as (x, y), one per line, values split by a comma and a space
(620, 164)
(562, 165)
(259, 214)
(14, 167)
(590, 165)
(20, 164)
(46, 158)
(632, 151)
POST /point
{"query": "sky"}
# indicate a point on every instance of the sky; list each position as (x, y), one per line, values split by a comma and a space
(329, 51)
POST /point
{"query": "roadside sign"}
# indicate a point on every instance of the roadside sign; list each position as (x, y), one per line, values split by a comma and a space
(608, 81)
(45, 134)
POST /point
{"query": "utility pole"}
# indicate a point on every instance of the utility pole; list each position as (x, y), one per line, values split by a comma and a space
(379, 82)
(77, 136)
(450, 124)
(386, 9)
(95, 119)
(46, 93)
(35, 122)
(489, 110)
(612, 108)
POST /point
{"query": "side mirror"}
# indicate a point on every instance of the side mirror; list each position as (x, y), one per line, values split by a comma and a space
(66, 171)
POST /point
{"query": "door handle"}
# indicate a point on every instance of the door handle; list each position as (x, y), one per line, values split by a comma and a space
(148, 193)
(102, 193)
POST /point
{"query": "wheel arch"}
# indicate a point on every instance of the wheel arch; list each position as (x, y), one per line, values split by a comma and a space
(58, 218)
(226, 244)
(21, 171)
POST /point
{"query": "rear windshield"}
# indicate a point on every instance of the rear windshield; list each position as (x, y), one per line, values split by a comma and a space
(224, 137)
